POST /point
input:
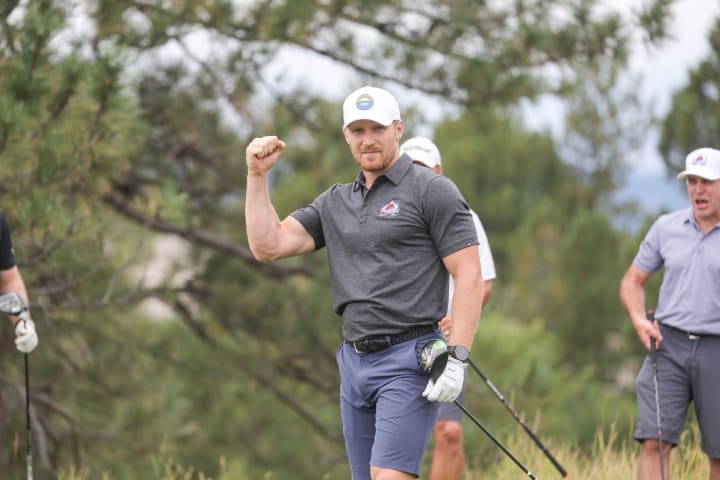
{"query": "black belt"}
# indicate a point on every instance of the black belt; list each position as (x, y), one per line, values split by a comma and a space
(690, 335)
(377, 343)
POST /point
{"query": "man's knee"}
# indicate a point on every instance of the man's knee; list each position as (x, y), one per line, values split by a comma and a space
(651, 445)
(377, 473)
(448, 433)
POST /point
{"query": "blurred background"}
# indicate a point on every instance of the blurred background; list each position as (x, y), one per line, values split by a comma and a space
(123, 126)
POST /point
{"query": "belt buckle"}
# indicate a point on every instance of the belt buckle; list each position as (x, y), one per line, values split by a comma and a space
(692, 336)
(370, 345)
(354, 346)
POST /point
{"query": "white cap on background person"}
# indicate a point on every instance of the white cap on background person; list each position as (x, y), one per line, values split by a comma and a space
(704, 163)
(370, 103)
(423, 150)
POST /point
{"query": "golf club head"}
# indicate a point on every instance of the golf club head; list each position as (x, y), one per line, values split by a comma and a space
(12, 303)
(433, 357)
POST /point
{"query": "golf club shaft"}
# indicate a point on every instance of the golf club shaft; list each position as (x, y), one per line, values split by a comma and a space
(527, 429)
(653, 354)
(28, 458)
(495, 440)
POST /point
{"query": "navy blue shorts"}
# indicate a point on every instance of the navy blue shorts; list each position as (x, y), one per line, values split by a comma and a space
(688, 371)
(386, 421)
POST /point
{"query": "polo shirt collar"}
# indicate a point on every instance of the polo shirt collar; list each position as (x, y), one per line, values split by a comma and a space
(395, 174)
(399, 169)
(688, 217)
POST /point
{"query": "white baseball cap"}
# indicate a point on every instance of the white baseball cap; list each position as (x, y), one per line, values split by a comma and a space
(703, 162)
(370, 103)
(422, 150)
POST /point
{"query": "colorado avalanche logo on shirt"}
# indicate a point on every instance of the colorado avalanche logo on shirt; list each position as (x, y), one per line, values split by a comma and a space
(392, 209)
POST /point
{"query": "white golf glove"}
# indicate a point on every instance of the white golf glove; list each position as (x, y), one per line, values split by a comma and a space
(448, 385)
(26, 337)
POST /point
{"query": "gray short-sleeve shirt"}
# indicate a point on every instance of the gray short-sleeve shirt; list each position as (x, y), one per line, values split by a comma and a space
(385, 246)
(689, 296)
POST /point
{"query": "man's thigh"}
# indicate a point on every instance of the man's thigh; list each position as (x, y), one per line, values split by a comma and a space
(706, 392)
(674, 389)
(386, 420)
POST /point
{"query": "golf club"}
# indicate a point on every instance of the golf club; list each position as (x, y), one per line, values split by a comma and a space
(515, 415)
(495, 440)
(433, 359)
(13, 304)
(653, 354)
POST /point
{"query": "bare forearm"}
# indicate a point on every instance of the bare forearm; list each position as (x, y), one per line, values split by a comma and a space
(632, 295)
(261, 219)
(466, 307)
(633, 299)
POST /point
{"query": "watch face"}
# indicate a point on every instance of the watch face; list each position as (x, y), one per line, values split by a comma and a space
(459, 352)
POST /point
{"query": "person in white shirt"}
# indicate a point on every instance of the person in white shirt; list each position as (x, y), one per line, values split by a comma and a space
(448, 456)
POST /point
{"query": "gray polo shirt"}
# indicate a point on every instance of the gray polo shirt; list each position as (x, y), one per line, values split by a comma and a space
(689, 296)
(385, 246)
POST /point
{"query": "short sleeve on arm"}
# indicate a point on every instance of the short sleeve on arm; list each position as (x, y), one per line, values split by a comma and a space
(449, 217)
(7, 258)
(649, 258)
(309, 218)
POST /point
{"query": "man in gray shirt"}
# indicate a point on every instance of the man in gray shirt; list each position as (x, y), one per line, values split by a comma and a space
(687, 326)
(392, 236)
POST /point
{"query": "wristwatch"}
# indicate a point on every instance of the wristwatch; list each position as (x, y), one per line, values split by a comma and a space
(459, 352)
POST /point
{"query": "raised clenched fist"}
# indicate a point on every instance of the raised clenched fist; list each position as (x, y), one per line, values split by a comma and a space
(262, 153)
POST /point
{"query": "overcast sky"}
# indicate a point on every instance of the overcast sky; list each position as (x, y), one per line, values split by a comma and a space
(662, 70)
(665, 70)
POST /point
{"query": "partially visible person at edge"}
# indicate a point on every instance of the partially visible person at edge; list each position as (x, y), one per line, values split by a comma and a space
(392, 236)
(687, 319)
(26, 338)
(448, 461)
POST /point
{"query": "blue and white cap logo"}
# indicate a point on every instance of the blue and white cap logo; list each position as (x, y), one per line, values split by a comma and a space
(364, 102)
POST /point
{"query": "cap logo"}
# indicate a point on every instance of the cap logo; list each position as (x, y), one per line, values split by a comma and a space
(700, 160)
(364, 102)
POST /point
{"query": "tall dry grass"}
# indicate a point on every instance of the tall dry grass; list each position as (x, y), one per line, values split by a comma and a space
(610, 458)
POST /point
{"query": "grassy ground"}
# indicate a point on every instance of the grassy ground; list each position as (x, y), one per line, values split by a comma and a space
(610, 458)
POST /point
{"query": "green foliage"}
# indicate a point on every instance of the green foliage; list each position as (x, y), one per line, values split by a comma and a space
(503, 170)
(128, 132)
(523, 360)
(693, 120)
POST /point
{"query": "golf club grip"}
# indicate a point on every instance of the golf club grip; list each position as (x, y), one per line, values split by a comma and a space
(515, 415)
(650, 315)
(495, 440)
